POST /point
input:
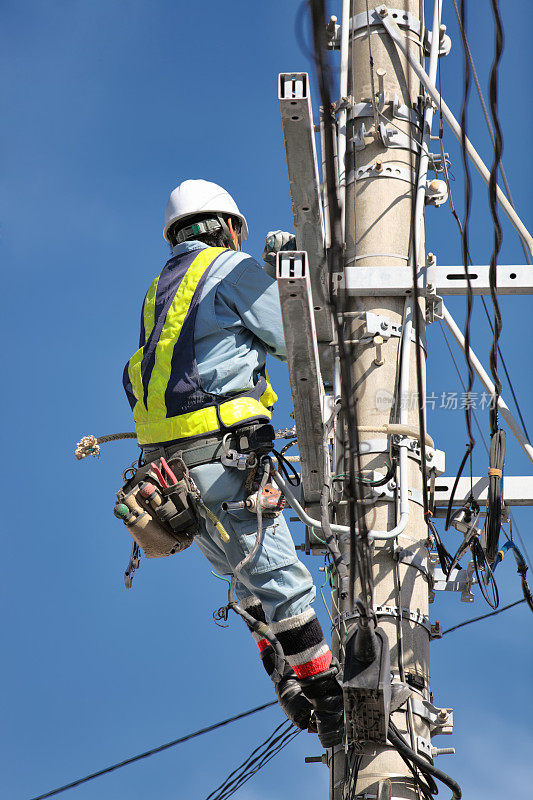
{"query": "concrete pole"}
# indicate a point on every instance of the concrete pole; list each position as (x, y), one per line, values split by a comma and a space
(378, 230)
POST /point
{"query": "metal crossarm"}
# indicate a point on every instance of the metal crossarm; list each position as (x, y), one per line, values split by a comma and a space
(393, 280)
(517, 490)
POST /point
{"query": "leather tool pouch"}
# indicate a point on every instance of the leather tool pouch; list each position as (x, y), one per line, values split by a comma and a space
(157, 505)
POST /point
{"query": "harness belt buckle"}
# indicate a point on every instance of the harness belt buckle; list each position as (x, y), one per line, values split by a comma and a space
(232, 458)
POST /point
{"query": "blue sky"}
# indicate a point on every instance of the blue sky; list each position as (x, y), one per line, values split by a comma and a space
(107, 106)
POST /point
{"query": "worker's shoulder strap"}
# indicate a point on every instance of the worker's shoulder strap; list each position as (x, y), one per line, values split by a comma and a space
(175, 286)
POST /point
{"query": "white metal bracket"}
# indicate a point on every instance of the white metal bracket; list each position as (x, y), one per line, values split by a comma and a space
(392, 280)
(440, 719)
(462, 580)
(299, 138)
(304, 368)
(517, 491)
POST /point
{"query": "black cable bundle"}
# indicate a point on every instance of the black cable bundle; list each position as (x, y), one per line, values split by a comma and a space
(428, 770)
(257, 759)
(359, 543)
(463, 227)
(497, 443)
(493, 520)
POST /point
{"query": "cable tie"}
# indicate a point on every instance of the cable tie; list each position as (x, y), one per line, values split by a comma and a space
(495, 472)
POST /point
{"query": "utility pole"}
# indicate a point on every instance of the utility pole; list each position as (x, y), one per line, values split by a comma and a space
(376, 163)
(382, 163)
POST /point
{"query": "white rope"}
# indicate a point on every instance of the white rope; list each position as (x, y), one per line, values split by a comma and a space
(90, 445)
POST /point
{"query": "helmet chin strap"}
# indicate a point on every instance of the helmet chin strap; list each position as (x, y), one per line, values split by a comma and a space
(227, 232)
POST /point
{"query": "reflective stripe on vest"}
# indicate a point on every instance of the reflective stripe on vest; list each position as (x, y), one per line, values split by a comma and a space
(161, 379)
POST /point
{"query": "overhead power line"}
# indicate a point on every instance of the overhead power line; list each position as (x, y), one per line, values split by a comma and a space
(154, 750)
(483, 616)
(261, 755)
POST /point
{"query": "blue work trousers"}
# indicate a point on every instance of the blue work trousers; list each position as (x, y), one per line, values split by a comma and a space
(275, 575)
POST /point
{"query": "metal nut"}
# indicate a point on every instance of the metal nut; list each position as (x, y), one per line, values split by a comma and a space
(442, 716)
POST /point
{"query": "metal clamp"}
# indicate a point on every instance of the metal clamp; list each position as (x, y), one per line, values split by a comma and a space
(394, 138)
(440, 719)
(379, 325)
(399, 110)
(445, 43)
(436, 459)
(399, 613)
(232, 458)
(360, 23)
(424, 747)
(382, 169)
(405, 556)
(437, 163)
(434, 307)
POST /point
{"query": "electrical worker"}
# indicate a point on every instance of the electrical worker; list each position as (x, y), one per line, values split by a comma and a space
(207, 323)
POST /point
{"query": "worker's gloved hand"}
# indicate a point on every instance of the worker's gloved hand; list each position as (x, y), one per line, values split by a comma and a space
(276, 241)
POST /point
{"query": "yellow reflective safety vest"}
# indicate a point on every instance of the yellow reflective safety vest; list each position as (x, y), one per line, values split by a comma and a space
(161, 379)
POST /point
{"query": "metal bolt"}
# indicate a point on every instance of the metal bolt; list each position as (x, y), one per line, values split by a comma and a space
(442, 716)
(383, 11)
(378, 166)
(381, 80)
(378, 341)
(315, 759)
(384, 325)
(430, 258)
(443, 751)
(429, 455)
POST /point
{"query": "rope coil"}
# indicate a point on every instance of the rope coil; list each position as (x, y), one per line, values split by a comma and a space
(90, 445)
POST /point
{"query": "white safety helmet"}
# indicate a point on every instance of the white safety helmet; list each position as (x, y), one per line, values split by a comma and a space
(200, 197)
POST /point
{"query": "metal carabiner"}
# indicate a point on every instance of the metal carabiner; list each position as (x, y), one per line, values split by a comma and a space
(135, 560)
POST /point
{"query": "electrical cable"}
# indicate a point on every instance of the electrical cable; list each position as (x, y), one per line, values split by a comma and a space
(460, 227)
(463, 227)
(416, 308)
(445, 559)
(524, 549)
(506, 184)
(497, 448)
(493, 520)
(484, 574)
(521, 566)
(371, 63)
(485, 112)
(154, 750)
(284, 466)
(389, 475)
(280, 737)
(261, 755)
(359, 543)
(427, 769)
(483, 616)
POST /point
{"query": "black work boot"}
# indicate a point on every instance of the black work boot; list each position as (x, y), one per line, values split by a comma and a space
(290, 696)
(324, 692)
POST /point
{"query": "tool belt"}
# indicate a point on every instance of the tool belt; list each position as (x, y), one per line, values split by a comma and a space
(249, 439)
(159, 501)
(157, 504)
